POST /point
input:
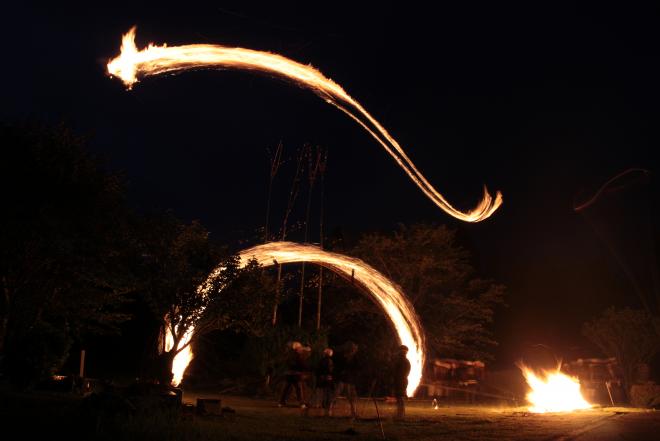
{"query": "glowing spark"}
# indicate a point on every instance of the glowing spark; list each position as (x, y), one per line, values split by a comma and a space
(553, 391)
(154, 60)
(385, 293)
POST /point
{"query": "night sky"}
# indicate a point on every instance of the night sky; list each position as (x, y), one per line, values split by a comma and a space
(544, 103)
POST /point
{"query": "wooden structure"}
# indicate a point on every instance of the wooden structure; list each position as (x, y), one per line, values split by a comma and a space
(452, 379)
(600, 379)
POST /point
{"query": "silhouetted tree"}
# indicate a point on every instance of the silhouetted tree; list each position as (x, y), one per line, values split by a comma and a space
(456, 306)
(176, 258)
(64, 243)
(629, 335)
(241, 300)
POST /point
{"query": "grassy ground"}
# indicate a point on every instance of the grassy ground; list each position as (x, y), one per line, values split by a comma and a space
(261, 419)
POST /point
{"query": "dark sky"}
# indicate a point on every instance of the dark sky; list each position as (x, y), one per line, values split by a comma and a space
(544, 103)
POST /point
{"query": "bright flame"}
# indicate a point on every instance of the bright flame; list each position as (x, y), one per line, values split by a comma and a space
(183, 358)
(386, 294)
(553, 391)
(154, 60)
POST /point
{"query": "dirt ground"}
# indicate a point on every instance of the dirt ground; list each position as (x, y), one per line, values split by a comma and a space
(262, 419)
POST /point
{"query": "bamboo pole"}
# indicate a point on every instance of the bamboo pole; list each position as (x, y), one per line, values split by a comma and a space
(313, 162)
(81, 372)
(293, 195)
(319, 298)
(275, 162)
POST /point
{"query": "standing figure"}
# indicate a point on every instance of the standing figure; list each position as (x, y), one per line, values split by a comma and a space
(400, 371)
(325, 380)
(346, 372)
(296, 368)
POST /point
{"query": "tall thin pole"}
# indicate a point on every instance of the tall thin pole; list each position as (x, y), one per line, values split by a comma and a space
(81, 372)
(312, 171)
(319, 298)
(293, 195)
(380, 422)
(275, 162)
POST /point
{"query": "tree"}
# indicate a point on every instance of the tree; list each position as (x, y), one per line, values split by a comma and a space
(455, 306)
(176, 258)
(242, 303)
(240, 300)
(629, 335)
(64, 238)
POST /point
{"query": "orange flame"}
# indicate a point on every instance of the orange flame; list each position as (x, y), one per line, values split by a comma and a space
(183, 358)
(386, 294)
(154, 60)
(553, 391)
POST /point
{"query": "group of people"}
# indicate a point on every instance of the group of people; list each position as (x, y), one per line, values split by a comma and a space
(337, 374)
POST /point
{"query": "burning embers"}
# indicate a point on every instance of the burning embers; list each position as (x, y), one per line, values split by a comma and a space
(553, 391)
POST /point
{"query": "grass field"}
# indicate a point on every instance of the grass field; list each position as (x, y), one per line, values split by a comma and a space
(262, 420)
(60, 416)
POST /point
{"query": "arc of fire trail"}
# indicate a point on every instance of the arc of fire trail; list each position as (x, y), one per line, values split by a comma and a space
(132, 64)
(384, 292)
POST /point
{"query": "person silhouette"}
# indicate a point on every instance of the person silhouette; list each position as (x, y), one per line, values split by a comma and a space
(400, 371)
(346, 372)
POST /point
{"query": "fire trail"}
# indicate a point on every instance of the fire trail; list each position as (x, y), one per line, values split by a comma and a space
(385, 293)
(133, 64)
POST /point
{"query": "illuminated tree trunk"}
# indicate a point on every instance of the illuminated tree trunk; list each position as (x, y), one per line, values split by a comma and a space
(165, 358)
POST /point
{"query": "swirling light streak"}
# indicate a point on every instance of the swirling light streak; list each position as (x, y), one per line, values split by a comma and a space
(384, 292)
(132, 64)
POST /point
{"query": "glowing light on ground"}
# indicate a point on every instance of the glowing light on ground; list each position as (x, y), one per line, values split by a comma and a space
(553, 391)
(384, 292)
(133, 64)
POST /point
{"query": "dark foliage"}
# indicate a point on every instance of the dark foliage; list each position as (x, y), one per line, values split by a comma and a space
(630, 335)
(64, 238)
(456, 306)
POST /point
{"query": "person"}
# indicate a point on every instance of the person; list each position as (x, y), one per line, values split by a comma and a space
(346, 371)
(325, 380)
(296, 368)
(400, 371)
(304, 361)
